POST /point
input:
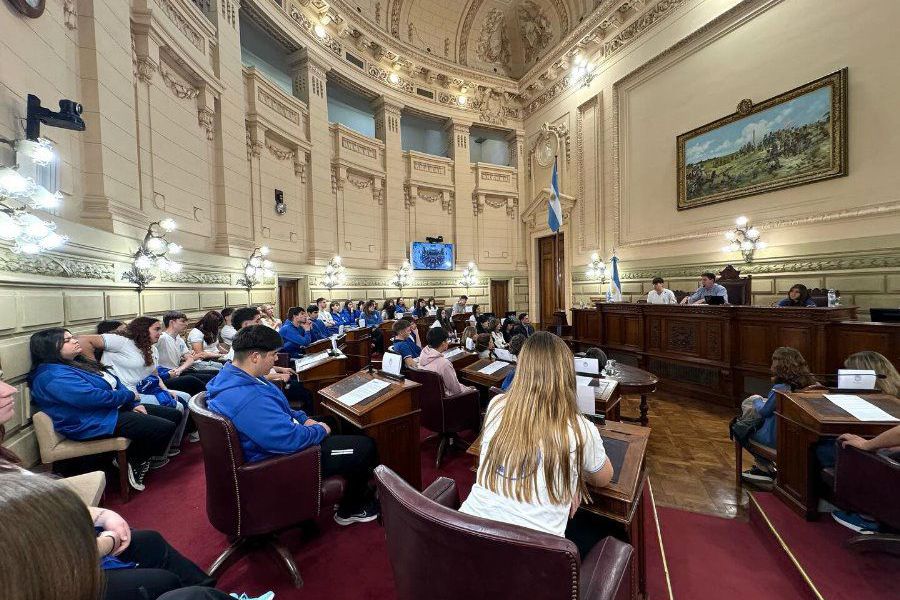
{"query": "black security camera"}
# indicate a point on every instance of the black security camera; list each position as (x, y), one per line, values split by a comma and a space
(68, 117)
(435, 240)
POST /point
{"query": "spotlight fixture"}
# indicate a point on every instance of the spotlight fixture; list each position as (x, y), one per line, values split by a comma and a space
(320, 31)
(68, 117)
(744, 239)
(461, 100)
(153, 253)
(256, 268)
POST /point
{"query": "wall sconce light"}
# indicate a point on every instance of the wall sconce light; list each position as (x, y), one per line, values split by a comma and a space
(394, 78)
(461, 100)
(256, 268)
(582, 71)
(469, 277)
(596, 270)
(744, 239)
(403, 277)
(334, 274)
(153, 253)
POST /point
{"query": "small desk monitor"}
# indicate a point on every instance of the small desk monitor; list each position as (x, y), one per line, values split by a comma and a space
(885, 315)
(715, 300)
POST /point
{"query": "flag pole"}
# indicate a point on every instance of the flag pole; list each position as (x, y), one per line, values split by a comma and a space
(556, 248)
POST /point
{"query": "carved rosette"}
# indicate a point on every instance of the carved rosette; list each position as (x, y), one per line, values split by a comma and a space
(206, 119)
(180, 89)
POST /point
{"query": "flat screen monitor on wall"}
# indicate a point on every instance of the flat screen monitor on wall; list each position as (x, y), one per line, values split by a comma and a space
(431, 257)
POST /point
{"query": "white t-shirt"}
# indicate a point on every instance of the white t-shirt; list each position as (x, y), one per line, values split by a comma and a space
(109, 379)
(197, 336)
(325, 316)
(227, 334)
(126, 360)
(470, 344)
(539, 514)
(667, 297)
(170, 350)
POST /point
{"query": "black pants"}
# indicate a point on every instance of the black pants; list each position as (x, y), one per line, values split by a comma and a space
(188, 383)
(160, 569)
(586, 529)
(356, 466)
(149, 434)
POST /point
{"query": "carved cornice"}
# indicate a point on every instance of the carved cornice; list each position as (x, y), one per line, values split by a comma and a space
(360, 182)
(280, 153)
(70, 13)
(206, 119)
(279, 107)
(203, 277)
(145, 69)
(183, 25)
(53, 265)
(182, 90)
(379, 282)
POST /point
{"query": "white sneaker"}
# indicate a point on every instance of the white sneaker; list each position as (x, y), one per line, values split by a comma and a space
(194, 437)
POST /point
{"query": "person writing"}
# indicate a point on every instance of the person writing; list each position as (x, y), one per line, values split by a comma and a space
(268, 427)
(538, 453)
(433, 359)
(708, 287)
(798, 295)
(660, 294)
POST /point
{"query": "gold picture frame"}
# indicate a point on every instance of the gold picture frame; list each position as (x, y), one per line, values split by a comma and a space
(794, 138)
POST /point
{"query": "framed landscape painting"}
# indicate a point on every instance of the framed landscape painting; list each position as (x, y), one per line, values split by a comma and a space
(796, 137)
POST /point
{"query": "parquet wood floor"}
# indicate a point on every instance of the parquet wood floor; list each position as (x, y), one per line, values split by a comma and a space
(690, 458)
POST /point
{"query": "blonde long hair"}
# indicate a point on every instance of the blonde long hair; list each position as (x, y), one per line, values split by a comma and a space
(881, 365)
(539, 416)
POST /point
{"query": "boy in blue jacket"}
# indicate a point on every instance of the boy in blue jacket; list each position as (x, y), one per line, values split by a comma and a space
(267, 426)
(296, 331)
(320, 330)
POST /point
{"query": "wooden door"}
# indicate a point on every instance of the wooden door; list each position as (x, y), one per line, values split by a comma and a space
(550, 284)
(499, 297)
(287, 295)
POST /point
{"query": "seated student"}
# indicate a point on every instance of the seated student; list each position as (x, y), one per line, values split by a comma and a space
(789, 373)
(443, 320)
(322, 314)
(660, 294)
(399, 307)
(431, 305)
(334, 309)
(538, 453)
(509, 328)
(268, 318)
(226, 334)
(708, 287)
(371, 314)
(492, 326)
(93, 554)
(525, 326)
(296, 331)
(320, 331)
(86, 401)
(460, 307)
(243, 317)
(484, 345)
(433, 359)
(349, 314)
(798, 295)
(420, 310)
(468, 338)
(107, 327)
(404, 343)
(389, 310)
(204, 340)
(515, 347)
(267, 426)
(597, 353)
(475, 315)
(172, 353)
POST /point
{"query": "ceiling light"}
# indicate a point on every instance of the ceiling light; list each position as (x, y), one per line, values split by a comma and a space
(325, 19)
(462, 100)
(264, 250)
(741, 221)
(169, 225)
(45, 200)
(156, 245)
(394, 78)
(143, 262)
(174, 248)
(12, 183)
(9, 229)
(40, 151)
(320, 31)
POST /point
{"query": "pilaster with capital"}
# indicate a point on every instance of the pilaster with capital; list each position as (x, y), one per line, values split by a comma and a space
(517, 158)
(464, 183)
(395, 215)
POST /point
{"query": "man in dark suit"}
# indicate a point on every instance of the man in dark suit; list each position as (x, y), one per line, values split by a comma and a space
(525, 327)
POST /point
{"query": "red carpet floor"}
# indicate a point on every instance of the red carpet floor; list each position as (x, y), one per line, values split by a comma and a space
(838, 573)
(336, 563)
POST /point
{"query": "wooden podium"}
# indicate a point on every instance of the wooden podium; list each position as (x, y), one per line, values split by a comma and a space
(358, 347)
(471, 373)
(321, 373)
(460, 322)
(390, 417)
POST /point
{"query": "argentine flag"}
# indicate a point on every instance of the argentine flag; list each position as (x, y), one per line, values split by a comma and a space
(554, 215)
(615, 287)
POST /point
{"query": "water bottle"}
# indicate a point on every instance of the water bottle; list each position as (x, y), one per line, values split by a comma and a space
(832, 297)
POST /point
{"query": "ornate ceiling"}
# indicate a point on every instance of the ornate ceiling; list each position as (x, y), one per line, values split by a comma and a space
(500, 37)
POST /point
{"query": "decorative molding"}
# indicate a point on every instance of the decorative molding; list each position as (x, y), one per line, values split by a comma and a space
(493, 176)
(378, 282)
(360, 182)
(535, 28)
(336, 182)
(590, 104)
(426, 167)
(378, 195)
(279, 107)
(203, 277)
(184, 91)
(254, 147)
(52, 265)
(182, 24)
(354, 146)
(280, 153)
(206, 119)
(493, 43)
(70, 13)
(145, 67)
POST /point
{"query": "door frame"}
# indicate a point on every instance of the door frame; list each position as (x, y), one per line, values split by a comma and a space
(509, 293)
(534, 298)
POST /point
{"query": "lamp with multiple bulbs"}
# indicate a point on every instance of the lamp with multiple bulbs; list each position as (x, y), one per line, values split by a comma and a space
(403, 277)
(469, 276)
(153, 253)
(744, 239)
(257, 268)
(19, 195)
(334, 274)
(596, 270)
(582, 71)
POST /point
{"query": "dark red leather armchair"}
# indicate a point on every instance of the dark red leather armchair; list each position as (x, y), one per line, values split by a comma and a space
(445, 415)
(869, 483)
(252, 502)
(439, 553)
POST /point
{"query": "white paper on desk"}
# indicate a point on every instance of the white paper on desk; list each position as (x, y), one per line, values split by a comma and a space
(581, 380)
(391, 363)
(493, 367)
(334, 342)
(860, 408)
(452, 353)
(362, 392)
(361, 322)
(504, 354)
(340, 330)
(299, 363)
(585, 398)
(587, 365)
(856, 379)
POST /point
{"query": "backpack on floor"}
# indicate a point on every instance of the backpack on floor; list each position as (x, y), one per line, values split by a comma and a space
(747, 423)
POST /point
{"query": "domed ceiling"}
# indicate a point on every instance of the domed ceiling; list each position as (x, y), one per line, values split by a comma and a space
(502, 37)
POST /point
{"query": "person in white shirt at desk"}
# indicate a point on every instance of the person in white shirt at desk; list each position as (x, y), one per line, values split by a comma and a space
(660, 294)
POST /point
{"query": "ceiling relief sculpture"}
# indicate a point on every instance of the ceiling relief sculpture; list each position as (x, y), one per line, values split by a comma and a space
(493, 43)
(535, 30)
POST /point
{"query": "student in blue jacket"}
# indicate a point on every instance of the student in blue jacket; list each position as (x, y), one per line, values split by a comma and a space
(267, 427)
(296, 331)
(404, 343)
(86, 402)
(320, 330)
(347, 314)
(372, 314)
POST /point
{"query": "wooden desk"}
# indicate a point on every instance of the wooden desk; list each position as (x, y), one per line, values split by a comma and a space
(710, 351)
(463, 360)
(485, 380)
(803, 420)
(358, 347)
(633, 380)
(460, 322)
(322, 373)
(391, 418)
(325, 344)
(386, 329)
(606, 397)
(620, 501)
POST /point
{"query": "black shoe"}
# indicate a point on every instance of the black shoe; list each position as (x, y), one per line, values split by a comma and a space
(757, 475)
(364, 515)
(136, 475)
(158, 462)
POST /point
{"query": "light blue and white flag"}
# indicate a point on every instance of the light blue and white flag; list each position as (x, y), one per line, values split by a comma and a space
(554, 214)
(615, 287)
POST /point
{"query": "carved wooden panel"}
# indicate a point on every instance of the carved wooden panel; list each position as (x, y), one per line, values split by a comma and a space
(799, 337)
(681, 336)
(753, 346)
(713, 341)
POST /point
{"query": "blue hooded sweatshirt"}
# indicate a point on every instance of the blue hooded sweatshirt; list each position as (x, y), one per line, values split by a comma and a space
(295, 338)
(81, 404)
(265, 423)
(320, 331)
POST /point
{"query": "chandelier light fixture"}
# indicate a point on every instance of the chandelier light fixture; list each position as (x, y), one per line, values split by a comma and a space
(403, 277)
(469, 277)
(257, 268)
(153, 253)
(334, 274)
(582, 71)
(744, 239)
(596, 270)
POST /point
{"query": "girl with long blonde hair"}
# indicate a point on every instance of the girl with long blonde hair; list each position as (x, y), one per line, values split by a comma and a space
(538, 453)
